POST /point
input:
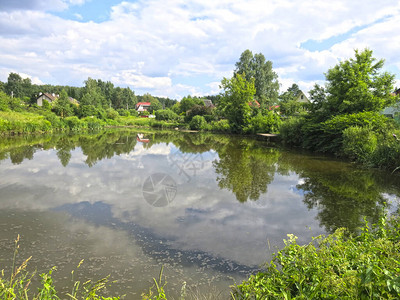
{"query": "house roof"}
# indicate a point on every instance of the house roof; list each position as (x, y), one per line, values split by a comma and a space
(143, 104)
(208, 103)
(51, 97)
(254, 103)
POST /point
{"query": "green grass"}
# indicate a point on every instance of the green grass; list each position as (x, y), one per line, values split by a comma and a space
(22, 122)
(338, 266)
(17, 284)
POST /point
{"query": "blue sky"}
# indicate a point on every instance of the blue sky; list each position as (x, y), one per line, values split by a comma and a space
(176, 48)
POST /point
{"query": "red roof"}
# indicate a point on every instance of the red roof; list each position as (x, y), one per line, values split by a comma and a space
(254, 103)
(143, 103)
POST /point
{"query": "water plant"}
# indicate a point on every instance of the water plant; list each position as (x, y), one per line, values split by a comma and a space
(16, 286)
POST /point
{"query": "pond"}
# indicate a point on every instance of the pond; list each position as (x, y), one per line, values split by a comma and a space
(209, 208)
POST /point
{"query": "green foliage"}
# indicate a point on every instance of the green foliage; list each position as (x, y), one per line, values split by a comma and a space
(356, 85)
(75, 124)
(234, 103)
(91, 123)
(159, 286)
(338, 266)
(329, 137)
(111, 114)
(46, 105)
(221, 126)
(359, 143)
(198, 123)
(4, 100)
(197, 110)
(166, 115)
(259, 69)
(186, 104)
(17, 286)
(268, 123)
(13, 122)
(62, 106)
(291, 131)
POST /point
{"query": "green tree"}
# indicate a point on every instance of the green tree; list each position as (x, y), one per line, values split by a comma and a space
(357, 85)
(287, 101)
(14, 85)
(234, 103)
(129, 98)
(265, 79)
(62, 106)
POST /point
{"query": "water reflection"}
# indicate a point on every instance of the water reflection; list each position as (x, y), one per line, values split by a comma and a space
(232, 197)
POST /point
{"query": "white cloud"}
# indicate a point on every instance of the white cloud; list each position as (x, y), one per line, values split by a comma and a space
(196, 40)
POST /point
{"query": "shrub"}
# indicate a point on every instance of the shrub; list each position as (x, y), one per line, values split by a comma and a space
(111, 114)
(92, 123)
(198, 123)
(123, 112)
(359, 143)
(166, 115)
(387, 152)
(220, 126)
(54, 120)
(4, 99)
(338, 266)
(74, 124)
(268, 123)
(291, 131)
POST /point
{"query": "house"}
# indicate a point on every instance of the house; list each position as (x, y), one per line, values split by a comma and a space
(142, 106)
(394, 110)
(396, 92)
(391, 111)
(46, 96)
(208, 103)
(302, 98)
(73, 101)
(51, 98)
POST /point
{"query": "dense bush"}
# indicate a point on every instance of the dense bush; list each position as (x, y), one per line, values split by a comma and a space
(92, 123)
(366, 266)
(111, 114)
(166, 115)
(359, 143)
(220, 126)
(75, 124)
(291, 131)
(4, 99)
(198, 123)
(268, 123)
(13, 122)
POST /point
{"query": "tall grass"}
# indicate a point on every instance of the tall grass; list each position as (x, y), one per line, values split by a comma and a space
(17, 284)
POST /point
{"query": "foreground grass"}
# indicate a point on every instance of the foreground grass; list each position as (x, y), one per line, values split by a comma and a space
(337, 266)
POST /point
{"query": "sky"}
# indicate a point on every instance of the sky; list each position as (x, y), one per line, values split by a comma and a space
(175, 48)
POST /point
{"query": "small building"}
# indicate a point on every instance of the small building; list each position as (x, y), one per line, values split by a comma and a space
(46, 96)
(302, 98)
(208, 103)
(143, 106)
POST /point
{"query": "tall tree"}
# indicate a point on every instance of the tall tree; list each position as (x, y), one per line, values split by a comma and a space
(14, 85)
(265, 79)
(357, 85)
(62, 106)
(234, 103)
(287, 101)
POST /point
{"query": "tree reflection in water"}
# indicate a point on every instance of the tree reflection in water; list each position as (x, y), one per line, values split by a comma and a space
(342, 193)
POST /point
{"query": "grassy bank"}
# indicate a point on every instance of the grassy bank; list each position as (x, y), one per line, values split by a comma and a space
(12, 123)
(337, 266)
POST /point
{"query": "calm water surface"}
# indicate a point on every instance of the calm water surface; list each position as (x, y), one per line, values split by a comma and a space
(209, 208)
